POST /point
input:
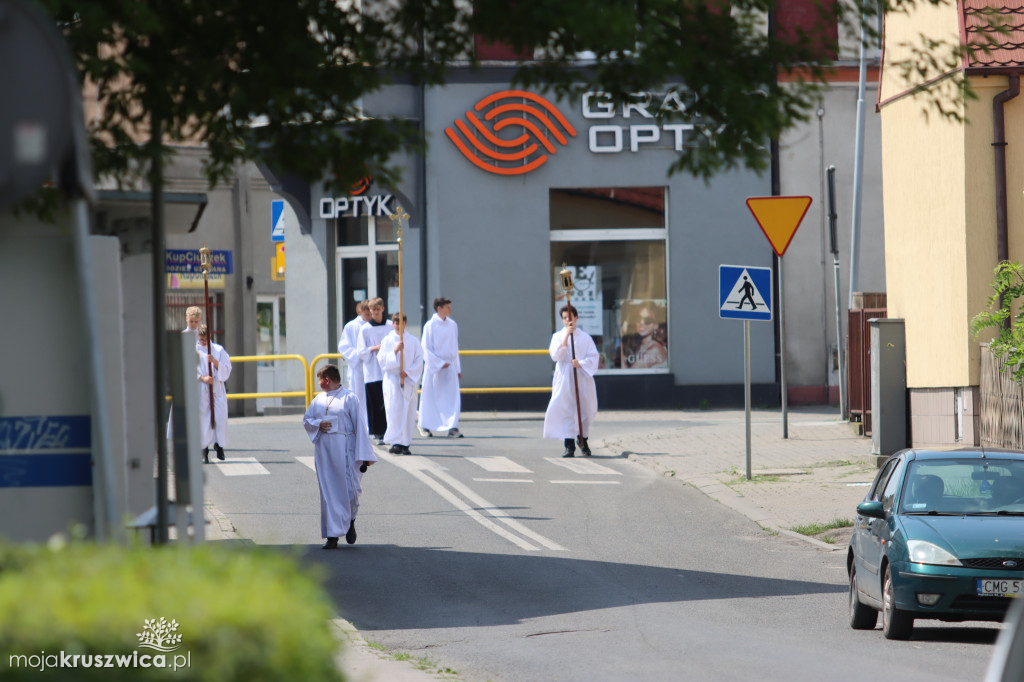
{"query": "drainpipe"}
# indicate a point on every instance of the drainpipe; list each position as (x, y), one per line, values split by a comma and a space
(999, 144)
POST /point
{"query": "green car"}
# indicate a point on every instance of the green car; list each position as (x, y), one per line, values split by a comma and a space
(940, 535)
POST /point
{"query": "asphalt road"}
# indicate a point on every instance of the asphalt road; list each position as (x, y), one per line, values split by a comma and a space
(492, 556)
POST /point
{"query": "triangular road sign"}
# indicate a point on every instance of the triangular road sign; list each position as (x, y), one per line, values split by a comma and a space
(779, 217)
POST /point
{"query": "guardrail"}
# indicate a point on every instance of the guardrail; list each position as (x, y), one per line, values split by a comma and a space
(310, 374)
(307, 394)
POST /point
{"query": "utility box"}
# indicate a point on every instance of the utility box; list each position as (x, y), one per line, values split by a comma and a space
(888, 387)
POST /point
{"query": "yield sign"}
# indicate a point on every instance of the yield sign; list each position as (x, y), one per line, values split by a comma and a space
(779, 217)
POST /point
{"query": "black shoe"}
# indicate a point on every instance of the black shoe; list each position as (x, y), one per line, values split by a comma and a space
(584, 446)
(220, 451)
(332, 543)
(206, 455)
(396, 450)
(569, 453)
(405, 449)
(350, 536)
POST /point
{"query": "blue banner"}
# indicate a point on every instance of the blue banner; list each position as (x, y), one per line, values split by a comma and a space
(45, 452)
(188, 260)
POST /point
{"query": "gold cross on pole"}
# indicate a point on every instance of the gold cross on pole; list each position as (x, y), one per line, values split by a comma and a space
(396, 218)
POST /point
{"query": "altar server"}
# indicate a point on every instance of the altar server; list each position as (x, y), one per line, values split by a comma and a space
(401, 360)
(566, 410)
(335, 424)
(212, 355)
(440, 401)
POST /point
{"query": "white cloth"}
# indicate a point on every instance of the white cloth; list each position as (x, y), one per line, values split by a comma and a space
(561, 419)
(220, 394)
(440, 402)
(337, 455)
(371, 335)
(348, 346)
(399, 402)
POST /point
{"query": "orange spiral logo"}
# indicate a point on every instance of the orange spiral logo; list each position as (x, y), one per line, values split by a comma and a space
(480, 143)
(360, 186)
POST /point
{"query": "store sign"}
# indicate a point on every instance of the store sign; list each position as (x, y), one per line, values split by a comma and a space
(354, 206)
(188, 260)
(514, 132)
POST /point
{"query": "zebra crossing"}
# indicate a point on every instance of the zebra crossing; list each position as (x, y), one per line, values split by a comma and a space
(593, 472)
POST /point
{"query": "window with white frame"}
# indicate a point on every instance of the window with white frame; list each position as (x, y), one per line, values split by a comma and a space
(613, 239)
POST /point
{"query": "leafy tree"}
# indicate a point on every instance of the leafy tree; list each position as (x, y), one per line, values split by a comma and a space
(281, 82)
(1008, 286)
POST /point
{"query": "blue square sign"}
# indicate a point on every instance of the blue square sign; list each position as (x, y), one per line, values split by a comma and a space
(744, 292)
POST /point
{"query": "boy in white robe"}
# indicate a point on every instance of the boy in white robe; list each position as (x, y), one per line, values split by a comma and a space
(348, 347)
(335, 424)
(440, 401)
(561, 419)
(212, 354)
(400, 357)
(370, 336)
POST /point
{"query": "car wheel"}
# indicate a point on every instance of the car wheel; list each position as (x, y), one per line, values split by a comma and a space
(862, 617)
(896, 623)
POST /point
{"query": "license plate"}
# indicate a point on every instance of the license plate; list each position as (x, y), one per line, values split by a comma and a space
(1000, 588)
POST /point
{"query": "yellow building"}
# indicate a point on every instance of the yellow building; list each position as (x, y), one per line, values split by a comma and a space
(952, 195)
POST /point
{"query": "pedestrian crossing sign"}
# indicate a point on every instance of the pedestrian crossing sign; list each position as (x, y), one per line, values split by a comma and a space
(277, 220)
(744, 293)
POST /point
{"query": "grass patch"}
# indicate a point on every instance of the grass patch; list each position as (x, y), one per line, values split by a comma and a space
(754, 479)
(816, 528)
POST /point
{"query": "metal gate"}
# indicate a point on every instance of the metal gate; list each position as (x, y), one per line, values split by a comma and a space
(860, 364)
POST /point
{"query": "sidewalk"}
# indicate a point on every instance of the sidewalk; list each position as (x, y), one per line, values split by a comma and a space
(816, 475)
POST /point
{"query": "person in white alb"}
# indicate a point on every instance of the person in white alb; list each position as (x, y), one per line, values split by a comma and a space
(336, 424)
(348, 347)
(440, 400)
(400, 357)
(561, 419)
(370, 336)
(212, 355)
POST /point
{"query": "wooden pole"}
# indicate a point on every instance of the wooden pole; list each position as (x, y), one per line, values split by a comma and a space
(396, 219)
(567, 285)
(204, 255)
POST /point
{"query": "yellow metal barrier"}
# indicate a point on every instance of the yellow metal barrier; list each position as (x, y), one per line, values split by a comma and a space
(311, 379)
(307, 394)
(310, 374)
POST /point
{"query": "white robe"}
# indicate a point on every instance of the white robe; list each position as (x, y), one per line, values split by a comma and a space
(399, 402)
(561, 420)
(348, 346)
(371, 335)
(337, 455)
(440, 402)
(220, 394)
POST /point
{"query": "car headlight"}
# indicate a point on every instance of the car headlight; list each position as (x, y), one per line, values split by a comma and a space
(922, 552)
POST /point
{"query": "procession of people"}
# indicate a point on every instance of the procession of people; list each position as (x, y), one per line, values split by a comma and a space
(398, 384)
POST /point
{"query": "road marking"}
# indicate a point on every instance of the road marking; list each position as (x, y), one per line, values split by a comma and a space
(589, 482)
(583, 466)
(504, 480)
(502, 465)
(426, 470)
(241, 466)
(308, 461)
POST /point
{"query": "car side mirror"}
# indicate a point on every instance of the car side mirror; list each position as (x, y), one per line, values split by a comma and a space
(872, 509)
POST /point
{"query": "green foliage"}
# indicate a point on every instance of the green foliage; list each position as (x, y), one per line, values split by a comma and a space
(815, 528)
(242, 614)
(1008, 285)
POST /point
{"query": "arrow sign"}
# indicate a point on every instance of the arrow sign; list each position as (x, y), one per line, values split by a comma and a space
(779, 217)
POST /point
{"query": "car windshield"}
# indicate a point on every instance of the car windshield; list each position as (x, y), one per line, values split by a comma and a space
(963, 486)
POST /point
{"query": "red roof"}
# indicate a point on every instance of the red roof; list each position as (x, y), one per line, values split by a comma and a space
(993, 48)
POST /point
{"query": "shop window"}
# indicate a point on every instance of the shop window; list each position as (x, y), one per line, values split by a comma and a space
(613, 239)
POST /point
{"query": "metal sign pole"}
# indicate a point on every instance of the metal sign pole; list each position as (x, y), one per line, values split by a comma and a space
(746, 385)
(782, 355)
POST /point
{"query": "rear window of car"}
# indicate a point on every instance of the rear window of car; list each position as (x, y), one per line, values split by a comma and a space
(963, 486)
